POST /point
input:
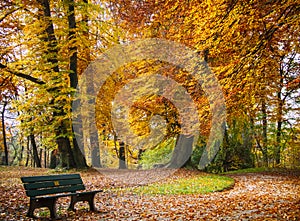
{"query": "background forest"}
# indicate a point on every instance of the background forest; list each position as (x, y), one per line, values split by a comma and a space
(252, 47)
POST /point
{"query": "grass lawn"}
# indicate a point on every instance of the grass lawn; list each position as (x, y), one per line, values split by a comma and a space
(199, 184)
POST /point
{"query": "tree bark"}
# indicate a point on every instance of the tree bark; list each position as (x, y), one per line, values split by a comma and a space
(45, 157)
(21, 155)
(36, 158)
(182, 151)
(73, 75)
(93, 133)
(54, 159)
(122, 158)
(64, 145)
(28, 152)
(265, 133)
(78, 154)
(4, 134)
(279, 119)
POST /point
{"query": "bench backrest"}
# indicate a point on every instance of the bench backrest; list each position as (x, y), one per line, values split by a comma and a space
(45, 185)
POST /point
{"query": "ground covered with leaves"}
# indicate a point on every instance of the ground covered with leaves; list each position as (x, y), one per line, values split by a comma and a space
(254, 196)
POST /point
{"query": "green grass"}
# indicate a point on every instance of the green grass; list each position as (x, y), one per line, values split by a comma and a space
(249, 170)
(196, 185)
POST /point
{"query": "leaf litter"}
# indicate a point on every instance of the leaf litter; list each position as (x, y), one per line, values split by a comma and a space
(255, 196)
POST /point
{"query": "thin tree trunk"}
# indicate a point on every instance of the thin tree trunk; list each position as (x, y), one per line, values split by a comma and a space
(45, 157)
(28, 152)
(35, 151)
(4, 133)
(41, 156)
(15, 156)
(21, 155)
(278, 136)
(279, 120)
(265, 133)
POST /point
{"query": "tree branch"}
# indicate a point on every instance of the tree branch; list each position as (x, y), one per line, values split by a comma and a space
(8, 13)
(21, 75)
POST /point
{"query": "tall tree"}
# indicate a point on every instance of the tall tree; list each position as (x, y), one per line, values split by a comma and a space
(50, 54)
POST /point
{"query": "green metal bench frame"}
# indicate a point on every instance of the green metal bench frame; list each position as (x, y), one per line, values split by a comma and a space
(45, 190)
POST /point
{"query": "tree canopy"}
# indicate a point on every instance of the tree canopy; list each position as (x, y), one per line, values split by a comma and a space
(252, 48)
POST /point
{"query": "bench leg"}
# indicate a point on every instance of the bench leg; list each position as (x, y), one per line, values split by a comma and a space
(73, 201)
(38, 203)
(53, 209)
(31, 208)
(90, 200)
(88, 197)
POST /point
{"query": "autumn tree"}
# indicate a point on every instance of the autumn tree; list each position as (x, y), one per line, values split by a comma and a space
(252, 48)
(243, 42)
(50, 61)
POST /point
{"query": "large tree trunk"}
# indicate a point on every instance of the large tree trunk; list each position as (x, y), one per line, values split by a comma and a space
(182, 151)
(65, 153)
(54, 159)
(92, 132)
(62, 139)
(73, 75)
(78, 154)
(64, 145)
(122, 158)
(248, 139)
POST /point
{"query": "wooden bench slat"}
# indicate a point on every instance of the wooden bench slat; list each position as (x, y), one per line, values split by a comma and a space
(47, 184)
(54, 190)
(32, 179)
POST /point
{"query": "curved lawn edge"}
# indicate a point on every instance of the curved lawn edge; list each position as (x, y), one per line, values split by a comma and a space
(201, 184)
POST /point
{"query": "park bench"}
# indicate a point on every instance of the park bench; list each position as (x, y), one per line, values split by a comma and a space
(45, 190)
